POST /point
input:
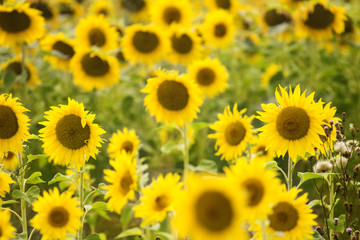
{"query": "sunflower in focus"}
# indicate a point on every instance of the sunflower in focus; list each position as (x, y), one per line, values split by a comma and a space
(172, 98)
(94, 70)
(70, 137)
(5, 181)
(145, 44)
(135, 9)
(123, 141)
(293, 126)
(210, 75)
(14, 124)
(102, 7)
(260, 152)
(210, 208)
(9, 160)
(6, 229)
(158, 199)
(233, 133)
(20, 23)
(123, 182)
(57, 214)
(231, 6)
(319, 21)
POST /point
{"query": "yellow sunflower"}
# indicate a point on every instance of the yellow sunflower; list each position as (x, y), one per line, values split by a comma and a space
(158, 199)
(218, 29)
(210, 208)
(47, 10)
(319, 21)
(269, 73)
(135, 10)
(70, 137)
(259, 152)
(69, 9)
(210, 75)
(20, 23)
(167, 12)
(5, 181)
(172, 98)
(231, 6)
(14, 124)
(280, 20)
(102, 7)
(233, 133)
(145, 44)
(123, 141)
(123, 182)
(291, 218)
(10, 161)
(293, 4)
(96, 31)
(294, 126)
(57, 214)
(6, 229)
(94, 69)
(62, 49)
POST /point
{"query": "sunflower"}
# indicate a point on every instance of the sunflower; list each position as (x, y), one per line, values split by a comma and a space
(271, 71)
(172, 98)
(260, 184)
(233, 132)
(10, 161)
(20, 23)
(158, 199)
(210, 75)
(210, 208)
(259, 151)
(57, 214)
(136, 9)
(125, 141)
(102, 7)
(5, 181)
(318, 21)
(166, 12)
(294, 126)
(185, 45)
(173, 135)
(62, 47)
(291, 218)
(69, 9)
(231, 6)
(218, 29)
(280, 20)
(123, 182)
(70, 137)
(293, 4)
(6, 229)
(15, 66)
(94, 69)
(96, 31)
(14, 124)
(47, 10)
(145, 44)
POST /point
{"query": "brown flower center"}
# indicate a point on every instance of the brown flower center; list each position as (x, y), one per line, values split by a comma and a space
(276, 17)
(234, 133)
(320, 17)
(125, 183)
(284, 217)
(44, 8)
(293, 123)
(220, 30)
(8, 156)
(65, 9)
(205, 77)
(172, 95)
(261, 151)
(96, 37)
(65, 49)
(94, 66)
(255, 190)
(224, 4)
(133, 6)
(145, 42)
(181, 44)
(103, 11)
(16, 68)
(161, 202)
(171, 14)
(349, 26)
(120, 56)
(8, 122)
(14, 21)
(58, 217)
(127, 146)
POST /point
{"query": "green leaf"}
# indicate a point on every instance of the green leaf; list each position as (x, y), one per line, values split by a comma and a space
(305, 176)
(31, 157)
(100, 188)
(205, 166)
(314, 203)
(171, 146)
(34, 178)
(199, 125)
(8, 202)
(126, 216)
(17, 194)
(165, 235)
(341, 224)
(93, 236)
(36, 137)
(100, 206)
(9, 79)
(130, 232)
(59, 177)
(33, 193)
(271, 165)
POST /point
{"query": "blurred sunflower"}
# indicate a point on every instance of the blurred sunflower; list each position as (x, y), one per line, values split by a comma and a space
(145, 44)
(5, 181)
(6, 229)
(173, 135)
(293, 4)
(69, 9)
(158, 199)
(70, 137)
(47, 10)
(136, 9)
(269, 73)
(94, 70)
(294, 126)
(123, 141)
(231, 6)
(20, 23)
(57, 214)
(279, 19)
(14, 124)
(62, 49)
(218, 29)
(10, 161)
(102, 7)
(233, 133)
(172, 98)
(259, 151)
(210, 75)
(210, 208)
(96, 31)
(123, 182)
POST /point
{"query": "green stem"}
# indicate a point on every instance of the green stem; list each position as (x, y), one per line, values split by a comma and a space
(81, 199)
(22, 201)
(186, 152)
(331, 199)
(32, 232)
(290, 171)
(13, 212)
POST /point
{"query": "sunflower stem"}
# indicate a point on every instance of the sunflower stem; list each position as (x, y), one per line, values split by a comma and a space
(290, 171)
(81, 199)
(263, 230)
(331, 200)
(22, 201)
(186, 152)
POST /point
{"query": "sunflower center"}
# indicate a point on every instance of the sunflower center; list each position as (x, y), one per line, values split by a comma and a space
(161, 202)
(220, 30)
(58, 217)
(320, 18)
(205, 76)
(133, 5)
(275, 17)
(214, 211)
(127, 146)
(44, 8)
(65, 49)
(261, 151)
(71, 133)
(0, 226)
(94, 66)
(349, 26)
(255, 190)
(284, 217)
(171, 14)
(8, 122)
(234, 133)
(224, 4)
(65, 9)
(16, 68)
(97, 37)
(125, 183)
(172, 95)
(103, 11)
(145, 42)
(293, 123)
(8, 156)
(182, 44)
(14, 21)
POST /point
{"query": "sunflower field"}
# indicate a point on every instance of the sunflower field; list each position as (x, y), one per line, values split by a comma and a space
(180, 119)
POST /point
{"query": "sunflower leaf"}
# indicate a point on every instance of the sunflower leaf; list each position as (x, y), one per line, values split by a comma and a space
(165, 235)
(126, 216)
(8, 202)
(59, 177)
(35, 178)
(31, 157)
(130, 232)
(33, 193)
(17, 194)
(93, 236)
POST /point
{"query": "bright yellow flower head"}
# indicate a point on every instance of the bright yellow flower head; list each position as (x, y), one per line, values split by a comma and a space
(102, 7)
(123, 141)
(9, 160)
(5, 181)
(6, 229)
